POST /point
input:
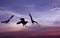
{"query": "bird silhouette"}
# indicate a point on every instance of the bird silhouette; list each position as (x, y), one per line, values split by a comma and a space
(7, 20)
(22, 21)
(32, 19)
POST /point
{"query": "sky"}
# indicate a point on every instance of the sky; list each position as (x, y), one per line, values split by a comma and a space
(45, 12)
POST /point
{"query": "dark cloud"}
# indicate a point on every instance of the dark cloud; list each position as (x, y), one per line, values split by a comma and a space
(24, 5)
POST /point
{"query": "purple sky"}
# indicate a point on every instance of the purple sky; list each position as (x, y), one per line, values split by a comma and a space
(45, 12)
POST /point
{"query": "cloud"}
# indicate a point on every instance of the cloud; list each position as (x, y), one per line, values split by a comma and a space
(5, 11)
(56, 11)
(57, 8)
(57, 23)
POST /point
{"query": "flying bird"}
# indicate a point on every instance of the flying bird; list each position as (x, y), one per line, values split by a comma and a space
(32, 19)
(22, 21)
(7, 20)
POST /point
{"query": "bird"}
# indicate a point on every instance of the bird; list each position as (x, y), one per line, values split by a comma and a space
(32, 19)
(7, 21)
(22, 21)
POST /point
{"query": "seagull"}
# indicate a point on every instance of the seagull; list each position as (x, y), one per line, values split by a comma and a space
(7, 20)
(22, 21)
(32, 19)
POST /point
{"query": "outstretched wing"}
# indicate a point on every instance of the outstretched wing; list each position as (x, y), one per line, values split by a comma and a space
(11, 17)
(5, 21)
(18, 22)
(30, 17)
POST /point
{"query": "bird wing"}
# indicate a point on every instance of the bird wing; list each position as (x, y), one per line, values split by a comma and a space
(11, 17)
(30, 17)
(18, 22)
(5, 21)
